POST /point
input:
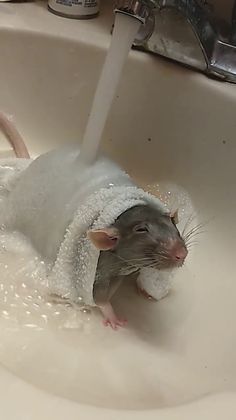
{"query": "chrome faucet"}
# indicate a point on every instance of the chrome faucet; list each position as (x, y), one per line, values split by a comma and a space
(184, 31)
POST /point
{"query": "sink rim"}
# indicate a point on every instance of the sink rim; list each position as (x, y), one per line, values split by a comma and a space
(44, 403)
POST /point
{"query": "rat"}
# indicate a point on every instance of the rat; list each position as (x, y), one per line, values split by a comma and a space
(13, 136)
(142, 236)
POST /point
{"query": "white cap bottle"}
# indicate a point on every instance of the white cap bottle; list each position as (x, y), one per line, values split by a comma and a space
(76, 9)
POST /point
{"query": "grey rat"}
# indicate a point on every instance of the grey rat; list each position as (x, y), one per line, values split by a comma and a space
(140, 237)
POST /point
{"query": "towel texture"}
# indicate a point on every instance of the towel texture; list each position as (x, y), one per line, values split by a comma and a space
(55, 200)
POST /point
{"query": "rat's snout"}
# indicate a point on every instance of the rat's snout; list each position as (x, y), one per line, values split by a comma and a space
(178, 252)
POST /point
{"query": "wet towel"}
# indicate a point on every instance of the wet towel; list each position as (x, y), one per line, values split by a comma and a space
(55, 200)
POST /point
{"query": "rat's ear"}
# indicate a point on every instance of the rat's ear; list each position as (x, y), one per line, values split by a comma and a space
(104, 239)
(175, 216)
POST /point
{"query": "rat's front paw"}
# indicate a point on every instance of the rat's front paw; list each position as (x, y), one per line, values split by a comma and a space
(110, 317)
(114, 323)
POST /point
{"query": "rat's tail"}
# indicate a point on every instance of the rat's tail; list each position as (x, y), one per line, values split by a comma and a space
(13, 137)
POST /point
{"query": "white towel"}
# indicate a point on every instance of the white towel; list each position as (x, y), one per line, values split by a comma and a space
(56, 200)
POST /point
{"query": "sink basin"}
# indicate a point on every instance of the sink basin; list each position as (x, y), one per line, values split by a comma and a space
(167, 126)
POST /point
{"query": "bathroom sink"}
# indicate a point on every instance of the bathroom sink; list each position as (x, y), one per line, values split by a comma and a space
(167, 126)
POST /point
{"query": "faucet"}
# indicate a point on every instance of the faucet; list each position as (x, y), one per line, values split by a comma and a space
(186, 32)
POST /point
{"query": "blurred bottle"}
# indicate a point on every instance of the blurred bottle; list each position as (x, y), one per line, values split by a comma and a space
(75, 9)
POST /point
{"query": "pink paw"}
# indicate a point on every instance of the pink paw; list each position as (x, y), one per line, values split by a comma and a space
(114, 323)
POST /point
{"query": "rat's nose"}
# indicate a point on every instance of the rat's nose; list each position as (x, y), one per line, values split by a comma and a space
(179, 252)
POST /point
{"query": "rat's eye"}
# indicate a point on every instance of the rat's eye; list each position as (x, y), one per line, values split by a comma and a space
(141, 228)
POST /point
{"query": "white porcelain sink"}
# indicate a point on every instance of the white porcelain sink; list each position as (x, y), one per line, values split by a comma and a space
(176, 359)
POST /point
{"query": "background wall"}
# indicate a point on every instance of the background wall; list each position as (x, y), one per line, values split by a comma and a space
(222, 8)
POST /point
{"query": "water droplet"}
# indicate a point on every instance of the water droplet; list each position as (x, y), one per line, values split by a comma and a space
(31, 325)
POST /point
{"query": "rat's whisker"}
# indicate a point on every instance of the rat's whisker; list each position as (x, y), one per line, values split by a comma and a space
(137, 262)
(195, 230)
(194, 235)
(192, 242)
(197, 227)
(190, 220)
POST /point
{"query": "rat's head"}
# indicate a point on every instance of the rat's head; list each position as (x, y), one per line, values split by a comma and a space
(143, 237)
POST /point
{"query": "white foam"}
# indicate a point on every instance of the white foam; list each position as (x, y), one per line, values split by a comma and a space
(23, 287)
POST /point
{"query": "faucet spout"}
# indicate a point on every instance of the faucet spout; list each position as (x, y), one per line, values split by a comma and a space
(139, 9)
(144, 11)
